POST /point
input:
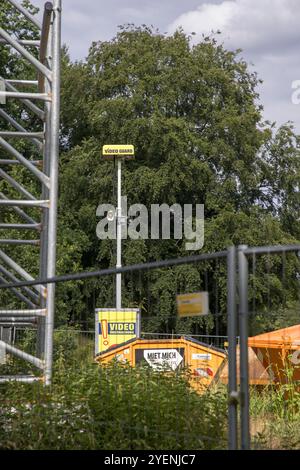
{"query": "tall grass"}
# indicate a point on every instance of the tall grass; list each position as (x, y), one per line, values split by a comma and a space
(275, 413)
(113, 407)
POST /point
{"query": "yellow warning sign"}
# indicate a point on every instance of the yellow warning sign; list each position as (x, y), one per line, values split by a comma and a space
(190, 305)
(117, 151)
(114, 327)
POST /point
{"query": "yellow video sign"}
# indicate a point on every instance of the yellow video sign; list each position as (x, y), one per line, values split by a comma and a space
(118, 151)
(191, 305)
(115, 327)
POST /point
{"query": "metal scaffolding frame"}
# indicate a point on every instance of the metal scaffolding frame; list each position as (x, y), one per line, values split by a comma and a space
(37, 304)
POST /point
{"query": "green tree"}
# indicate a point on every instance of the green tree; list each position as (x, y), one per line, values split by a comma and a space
(192, 114)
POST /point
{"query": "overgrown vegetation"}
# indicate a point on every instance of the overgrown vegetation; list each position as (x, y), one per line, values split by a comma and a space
(116, 407)
(275, 417)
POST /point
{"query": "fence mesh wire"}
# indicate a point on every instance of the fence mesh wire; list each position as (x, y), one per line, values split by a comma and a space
(117, 404)
(274, 331)
(114, 405)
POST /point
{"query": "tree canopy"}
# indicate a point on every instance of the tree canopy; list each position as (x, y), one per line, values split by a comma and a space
(195, 119)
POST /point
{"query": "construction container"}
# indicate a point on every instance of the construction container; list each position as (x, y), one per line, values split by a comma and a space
(279, 353)
(274, 358)
(204, 362)
(258, 375)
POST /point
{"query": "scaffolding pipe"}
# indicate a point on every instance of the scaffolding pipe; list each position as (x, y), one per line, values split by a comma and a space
(19, 211)
(48, 8)
(23, 42)
(16, 202)
(15, 313)
(13, 265)
(24, 95)
(39, 174)
(18, 294)
(17, 186)
(27, 290)
(23, 82)
(19, 324)
(27, 55)
(16, 162)
(19, 378)
(23, 134)
(26, 13)
(20, 226)
(22, 355)
(7, 241)
(19, 128)
(53, 190)
(31, 106)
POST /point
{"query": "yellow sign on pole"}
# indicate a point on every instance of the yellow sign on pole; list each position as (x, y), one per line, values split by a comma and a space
(114, 327)
(117, 151)
(191, 305)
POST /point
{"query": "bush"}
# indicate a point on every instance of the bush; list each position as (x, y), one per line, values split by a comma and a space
(114, 407)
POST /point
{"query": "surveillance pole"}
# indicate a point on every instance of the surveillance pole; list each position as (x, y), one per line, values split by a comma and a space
(119, 238)
(119, 152)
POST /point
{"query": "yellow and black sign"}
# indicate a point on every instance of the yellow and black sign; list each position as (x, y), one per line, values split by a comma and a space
(114, 327)
(191, 305)
(110, 152)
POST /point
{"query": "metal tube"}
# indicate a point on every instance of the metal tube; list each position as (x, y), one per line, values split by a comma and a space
(23, 42)
(40, 347)
(18, 323)
(17, 185)
(22, 313)
(16, 162)
(19, 295)
(17, 319)
(19, 211)
(124, 269)
(265, 250)
(39, 174)
(13, 265)
(8, 241)
(244, 372)
(31, 106)
(20, 128)
(26, 54)
(26, 13)
(23, 135)
(119, 239)
(22, 355)
(48, 8)
(22, 379)
(232, 335)
(53, 190)
(24, 203)
(20, 226)
(28, 291)
(24, 95)
(22, 82)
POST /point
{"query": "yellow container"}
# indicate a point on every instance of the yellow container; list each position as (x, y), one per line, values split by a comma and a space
(204, 362)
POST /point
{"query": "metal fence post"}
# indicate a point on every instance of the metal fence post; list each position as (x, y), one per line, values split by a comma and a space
(232, 335)
(243, 323)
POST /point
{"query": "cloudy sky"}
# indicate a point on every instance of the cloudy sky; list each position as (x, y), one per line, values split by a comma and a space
(267, 30)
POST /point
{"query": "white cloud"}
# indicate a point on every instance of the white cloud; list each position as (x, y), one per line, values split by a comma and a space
(268, 32)
(251, 24)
